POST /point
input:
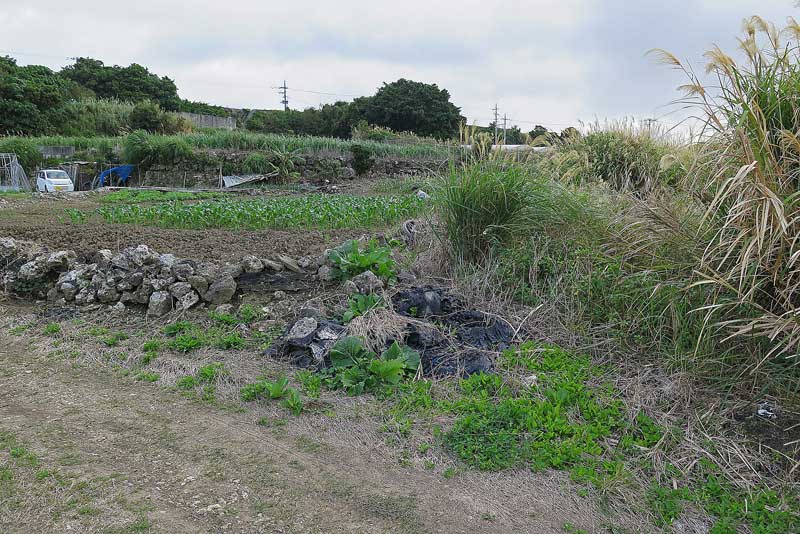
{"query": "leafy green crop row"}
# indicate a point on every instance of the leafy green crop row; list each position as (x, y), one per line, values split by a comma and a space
(313, 211)
(139, 196)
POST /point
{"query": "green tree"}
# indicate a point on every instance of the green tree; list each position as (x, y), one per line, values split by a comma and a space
(409, 106)
(31, 97)
(514, 136)
(133, 83)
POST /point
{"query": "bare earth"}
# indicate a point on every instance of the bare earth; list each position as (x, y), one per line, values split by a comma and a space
(44, 221)
(86, 448)
(133, 457)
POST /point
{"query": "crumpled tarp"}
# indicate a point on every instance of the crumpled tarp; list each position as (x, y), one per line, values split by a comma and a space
(233, 181)
(123, 172)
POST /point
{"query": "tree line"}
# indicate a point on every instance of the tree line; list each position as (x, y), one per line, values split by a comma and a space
(90, 98)
(37, 100)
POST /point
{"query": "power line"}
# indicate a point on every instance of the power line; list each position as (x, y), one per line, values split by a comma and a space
(323, 93)
(33, 54)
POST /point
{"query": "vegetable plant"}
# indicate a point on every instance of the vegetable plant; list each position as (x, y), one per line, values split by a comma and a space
(358, 305)
(357, 369)
(351, 259)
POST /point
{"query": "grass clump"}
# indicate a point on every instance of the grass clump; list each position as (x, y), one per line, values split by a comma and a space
(186, 342)
(204, 378)
(186, 382)
(152, 345)
(311, 383)
(52, 329)
(145, 149)
(246, 314)
(489, 205)
(233, 340)
(243, 140)
(762, 510)
(277, 390)
(147, 376)
(114, 339)
(23, 456)
(622, 155)
(187, 337)
(210, 372)
(481, 205)
(178, 327)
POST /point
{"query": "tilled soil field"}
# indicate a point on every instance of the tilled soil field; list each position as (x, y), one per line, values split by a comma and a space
(208, 245)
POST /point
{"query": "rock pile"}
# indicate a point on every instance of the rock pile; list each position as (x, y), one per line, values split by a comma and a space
(135, 275)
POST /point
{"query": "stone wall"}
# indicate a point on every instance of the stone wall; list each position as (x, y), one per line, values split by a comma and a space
(204, 172)
(139, 276)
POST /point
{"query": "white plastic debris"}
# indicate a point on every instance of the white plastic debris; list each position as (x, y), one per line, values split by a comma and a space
(766, 410)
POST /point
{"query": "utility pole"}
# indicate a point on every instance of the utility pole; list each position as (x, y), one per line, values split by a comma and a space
(505, 121)
(495, 123)
(285, 100)
(650, 123)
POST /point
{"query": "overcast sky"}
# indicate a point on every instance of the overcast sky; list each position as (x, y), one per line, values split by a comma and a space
(550, 62)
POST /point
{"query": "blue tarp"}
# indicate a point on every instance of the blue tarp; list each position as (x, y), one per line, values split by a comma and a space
(123, 171)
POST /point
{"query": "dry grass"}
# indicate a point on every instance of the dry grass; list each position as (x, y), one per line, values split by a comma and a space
(379, 326)
(751, 175)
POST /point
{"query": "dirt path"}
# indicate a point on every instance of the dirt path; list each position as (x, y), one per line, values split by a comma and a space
(131, 457)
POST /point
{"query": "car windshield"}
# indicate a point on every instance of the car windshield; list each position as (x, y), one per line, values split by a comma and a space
(57, 175)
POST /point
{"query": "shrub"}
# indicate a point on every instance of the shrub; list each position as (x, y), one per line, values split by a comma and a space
(142, 148)
(256, 163)
(362, 158)
(26, 150)
(146, 116)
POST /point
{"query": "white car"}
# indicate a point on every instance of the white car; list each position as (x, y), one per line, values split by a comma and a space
(51, 180)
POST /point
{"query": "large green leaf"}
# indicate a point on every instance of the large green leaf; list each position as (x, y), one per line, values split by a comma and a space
(346, 352)
(407, 355)
(353, 380)
(387, 371)
(277, 389)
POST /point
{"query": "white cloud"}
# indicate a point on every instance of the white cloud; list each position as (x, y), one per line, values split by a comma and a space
(545, 61)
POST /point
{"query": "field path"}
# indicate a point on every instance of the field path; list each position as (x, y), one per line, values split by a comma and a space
(130, 457)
